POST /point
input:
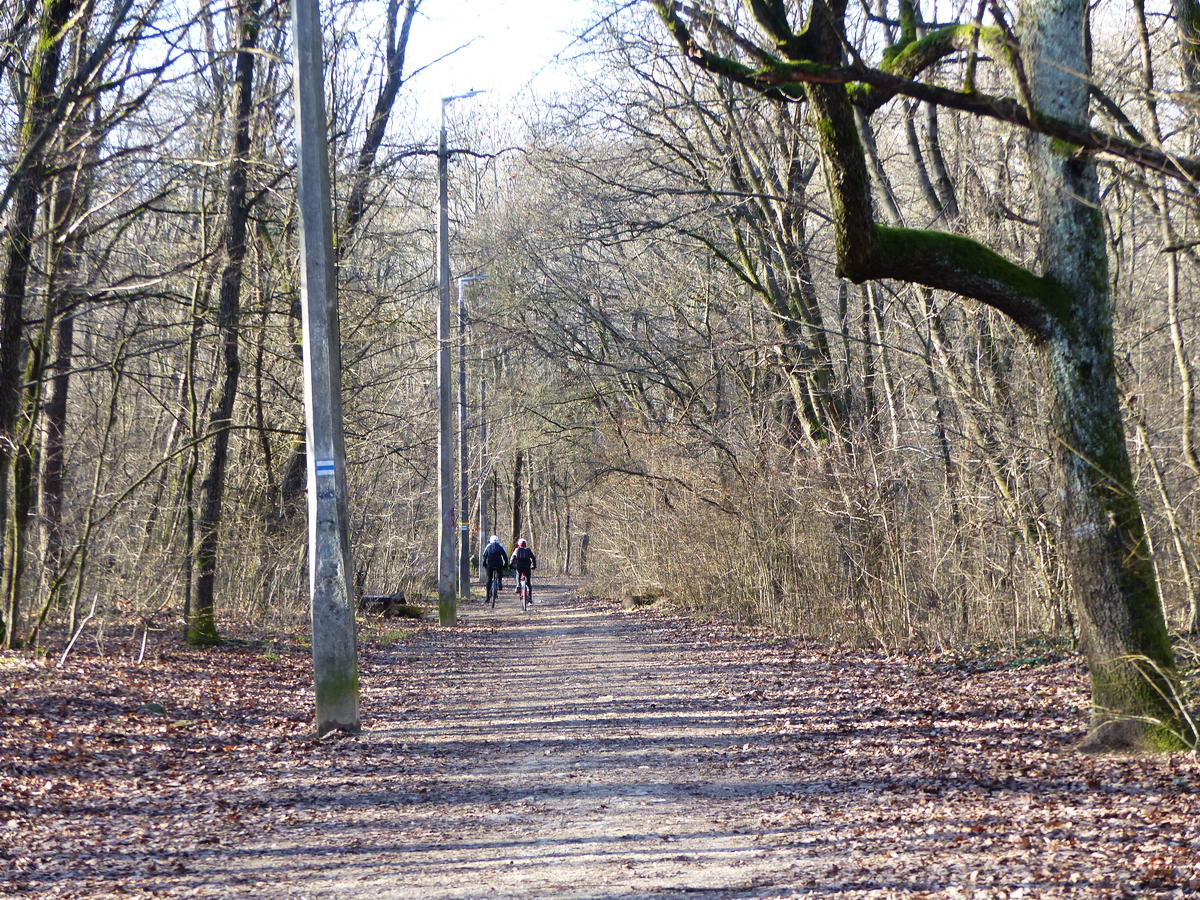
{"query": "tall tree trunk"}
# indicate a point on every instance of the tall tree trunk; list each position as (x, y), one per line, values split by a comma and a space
(485, 519)
(66, 295)
(54, 429)
(1187, 32)
(1066, 311)
(929, 335)
(24, 459)
(1178, 532)
(1112, 573)
(1162, 196)
(941, 177)
(1187, 22)
(202, 625)
(567, 540)
(869, 375)
(517, 497)
(918, 157)
(38, 484)
(192, 460)
(116, 371)
(535, 525)
(40, 99)
(886, 381)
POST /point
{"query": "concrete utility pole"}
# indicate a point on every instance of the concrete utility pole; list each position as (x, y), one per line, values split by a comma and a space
(447, 601)
(335, 651)
(464, 499)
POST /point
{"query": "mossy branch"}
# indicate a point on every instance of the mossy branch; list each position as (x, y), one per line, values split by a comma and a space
(718, 64)
(871, 87)
(911, 59)
(955, 263)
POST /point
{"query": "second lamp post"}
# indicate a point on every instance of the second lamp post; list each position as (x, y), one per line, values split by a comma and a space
(447, 601)
(464, 498)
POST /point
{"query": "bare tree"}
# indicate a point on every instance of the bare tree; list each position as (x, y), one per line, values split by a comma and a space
(202, 625)
(1065, 310)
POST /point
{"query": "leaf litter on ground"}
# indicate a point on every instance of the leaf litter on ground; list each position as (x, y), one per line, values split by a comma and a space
(907, 776)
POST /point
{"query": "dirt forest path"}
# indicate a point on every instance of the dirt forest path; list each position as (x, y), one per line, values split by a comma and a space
(565, 760)
(577, 751)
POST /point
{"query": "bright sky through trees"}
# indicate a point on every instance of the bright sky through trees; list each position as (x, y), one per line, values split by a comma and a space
(516, 49)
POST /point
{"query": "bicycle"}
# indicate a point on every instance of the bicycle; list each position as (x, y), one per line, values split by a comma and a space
(493, 587)
(524, 591)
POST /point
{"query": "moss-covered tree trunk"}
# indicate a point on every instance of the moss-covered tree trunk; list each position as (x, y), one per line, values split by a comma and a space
(47, 373)
(1112, 575)
(36, 117)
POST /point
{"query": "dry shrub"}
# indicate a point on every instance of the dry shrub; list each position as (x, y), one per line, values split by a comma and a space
(827, 548)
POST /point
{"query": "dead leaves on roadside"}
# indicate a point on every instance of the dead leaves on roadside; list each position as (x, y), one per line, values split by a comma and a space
(936, 779)
(914, 777)
(116, 777)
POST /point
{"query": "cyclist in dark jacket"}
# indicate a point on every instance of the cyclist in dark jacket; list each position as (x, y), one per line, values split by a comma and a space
(524, 562)
(494, 559)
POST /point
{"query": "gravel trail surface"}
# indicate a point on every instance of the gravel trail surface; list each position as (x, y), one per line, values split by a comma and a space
(577, 751)
(560, 757)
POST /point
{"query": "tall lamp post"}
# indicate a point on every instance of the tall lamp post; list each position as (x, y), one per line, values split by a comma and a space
(484, 525)
(484, 468)
(464, 500)
(447, 601)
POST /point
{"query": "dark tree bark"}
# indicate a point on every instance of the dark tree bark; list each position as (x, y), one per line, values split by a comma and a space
(54, 435)
(38, 470)
(202, 624)
(942, 183)
(1187, 24)
(517, 496)
(65, 295)
(40, 101)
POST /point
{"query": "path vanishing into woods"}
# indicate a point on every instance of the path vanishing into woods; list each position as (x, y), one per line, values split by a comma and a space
(578, 751)
(560, 757)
